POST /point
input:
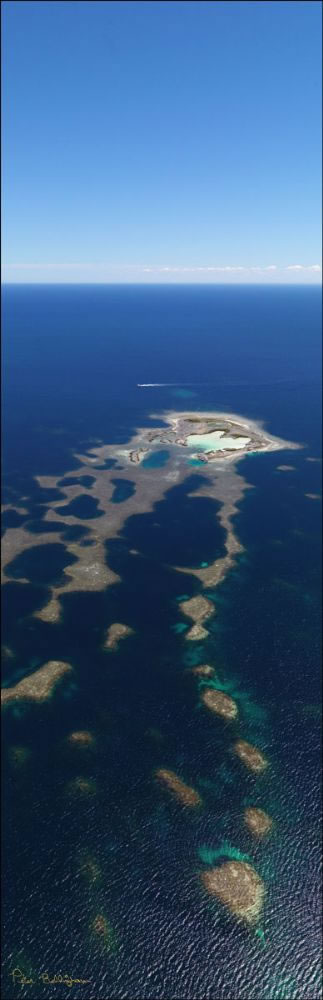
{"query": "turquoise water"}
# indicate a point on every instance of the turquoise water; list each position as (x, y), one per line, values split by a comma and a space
(183, 393)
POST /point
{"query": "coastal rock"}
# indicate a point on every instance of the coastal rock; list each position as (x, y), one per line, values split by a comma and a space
(257, 821)
(250, 755)
(238, 886)
(137, 456)
(186, 795)
(39, 685)
(220, 703)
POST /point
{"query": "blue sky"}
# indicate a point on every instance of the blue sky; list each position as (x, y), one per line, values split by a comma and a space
(153, 141)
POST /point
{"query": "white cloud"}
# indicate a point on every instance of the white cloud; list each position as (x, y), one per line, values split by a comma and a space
(303, 267)
(105, 272)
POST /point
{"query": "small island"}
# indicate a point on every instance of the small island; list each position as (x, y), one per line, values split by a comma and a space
(115, 633)
(207, 436)
(186, 795)
(204, 670)
(197, 608)
(220, 703)
(250, 756)
(238, 886)
(257, 821)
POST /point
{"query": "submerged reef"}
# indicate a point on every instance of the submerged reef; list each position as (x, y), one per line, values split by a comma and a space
(220, 703)
(185, 794)
(38, 686)
(257, 821)
(101, 929)
(90, 870)
(250, 755)
(238, 886)
(19, 755)
(81, 787)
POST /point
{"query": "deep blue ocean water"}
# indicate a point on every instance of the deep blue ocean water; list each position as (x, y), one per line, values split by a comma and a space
(72, 358)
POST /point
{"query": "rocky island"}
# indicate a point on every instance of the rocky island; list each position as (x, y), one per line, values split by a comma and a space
(186, 795)
(197, 608)
(220, 703)
(81, 738)
(39, 685)
(208, 436)
(204, 670)
(250, 756)
(238, 886)
(115, 633)
(257, 821)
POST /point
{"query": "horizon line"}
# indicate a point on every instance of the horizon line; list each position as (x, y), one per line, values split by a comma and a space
(167, 284)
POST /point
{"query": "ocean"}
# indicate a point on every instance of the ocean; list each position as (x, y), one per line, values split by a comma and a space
(125, 851)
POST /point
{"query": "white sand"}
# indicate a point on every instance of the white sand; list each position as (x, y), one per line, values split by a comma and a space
(213, 442)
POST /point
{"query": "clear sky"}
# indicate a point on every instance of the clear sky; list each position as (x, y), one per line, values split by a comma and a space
(152, 141)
